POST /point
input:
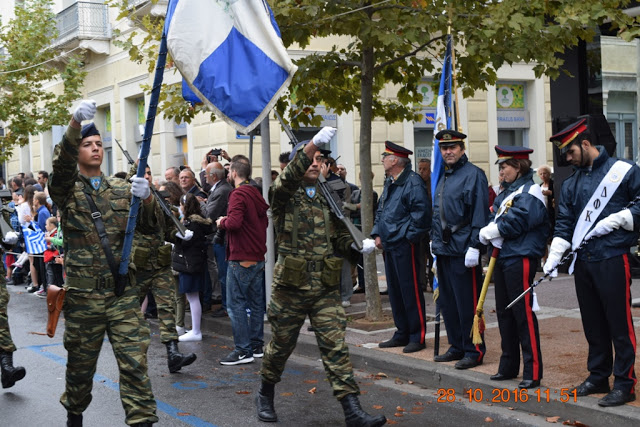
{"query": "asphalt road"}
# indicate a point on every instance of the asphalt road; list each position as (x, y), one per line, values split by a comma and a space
(209, 394)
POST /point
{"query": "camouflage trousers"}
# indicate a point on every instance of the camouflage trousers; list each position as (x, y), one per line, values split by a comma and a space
(88, 315)
(6, 343)
(161, 283)
(287, 311)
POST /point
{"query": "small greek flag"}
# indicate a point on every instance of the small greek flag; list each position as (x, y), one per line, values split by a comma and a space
(33, 239)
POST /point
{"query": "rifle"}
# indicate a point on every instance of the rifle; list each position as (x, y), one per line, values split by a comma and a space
(159, 199)
(563, 261)
(331, 197)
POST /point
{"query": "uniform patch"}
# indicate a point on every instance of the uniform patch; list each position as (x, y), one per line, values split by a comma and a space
(95, 182)
(311, 192)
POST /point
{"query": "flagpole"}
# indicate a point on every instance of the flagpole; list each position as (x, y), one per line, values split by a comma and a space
(456, 106)
(144, 152)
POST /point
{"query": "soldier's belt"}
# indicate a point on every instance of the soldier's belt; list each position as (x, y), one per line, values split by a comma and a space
(315, 265)
(97, 283)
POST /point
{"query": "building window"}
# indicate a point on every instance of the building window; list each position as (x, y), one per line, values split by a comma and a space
(621, 115)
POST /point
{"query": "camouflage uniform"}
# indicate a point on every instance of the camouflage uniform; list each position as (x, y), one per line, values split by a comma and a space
(6, 343)
(91, 307)
(152, 258)
(307, 279)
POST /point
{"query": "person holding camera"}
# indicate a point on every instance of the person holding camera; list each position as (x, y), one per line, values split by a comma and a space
(460, 210)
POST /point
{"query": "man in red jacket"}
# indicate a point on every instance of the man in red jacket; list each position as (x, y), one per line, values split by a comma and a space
(246, 226)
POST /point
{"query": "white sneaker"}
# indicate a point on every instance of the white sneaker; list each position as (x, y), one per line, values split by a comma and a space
(346, 304)
(181, 330)
(190, 336)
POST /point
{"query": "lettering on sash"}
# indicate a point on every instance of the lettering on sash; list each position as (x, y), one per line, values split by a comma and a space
(588, 216)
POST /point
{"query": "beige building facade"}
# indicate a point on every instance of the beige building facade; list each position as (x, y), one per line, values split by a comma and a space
(516, 111)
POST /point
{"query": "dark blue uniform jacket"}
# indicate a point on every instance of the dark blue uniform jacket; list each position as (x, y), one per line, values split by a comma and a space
(403, 210)
(465, 196)
(525, 225)
(576, 192)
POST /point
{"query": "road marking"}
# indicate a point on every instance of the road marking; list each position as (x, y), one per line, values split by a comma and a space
(168, 409)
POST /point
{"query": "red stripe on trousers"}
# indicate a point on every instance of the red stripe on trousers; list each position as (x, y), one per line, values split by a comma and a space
(416, 288)
(475, 300)
(529, 313)
(627, 302)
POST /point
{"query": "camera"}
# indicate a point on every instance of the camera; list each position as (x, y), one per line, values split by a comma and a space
(213, 152)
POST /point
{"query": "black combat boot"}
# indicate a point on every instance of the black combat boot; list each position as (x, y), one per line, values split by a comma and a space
(145, 424)
(74, 420)
(264, 402)
(10, 374)
(356, 417)
(176, 359)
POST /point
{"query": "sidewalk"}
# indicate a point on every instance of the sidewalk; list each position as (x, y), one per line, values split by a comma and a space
(564, 352)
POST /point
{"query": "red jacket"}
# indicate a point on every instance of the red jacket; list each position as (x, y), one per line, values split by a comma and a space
(246, 224)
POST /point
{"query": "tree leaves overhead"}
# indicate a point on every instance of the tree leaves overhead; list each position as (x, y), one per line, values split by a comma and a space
(27, 105)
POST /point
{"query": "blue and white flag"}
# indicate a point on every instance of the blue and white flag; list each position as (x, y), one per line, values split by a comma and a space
(231, 56)
(34, 242)
(443, 121)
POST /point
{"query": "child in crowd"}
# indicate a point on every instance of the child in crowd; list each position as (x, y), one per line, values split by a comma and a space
(52, 256)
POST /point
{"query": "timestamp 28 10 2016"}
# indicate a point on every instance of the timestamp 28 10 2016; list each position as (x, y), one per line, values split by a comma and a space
(505, 395)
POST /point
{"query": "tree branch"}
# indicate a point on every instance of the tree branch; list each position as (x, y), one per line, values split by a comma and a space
(408, 54)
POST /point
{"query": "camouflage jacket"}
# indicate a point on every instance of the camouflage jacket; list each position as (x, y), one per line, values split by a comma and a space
(315, 240)
(85, 262)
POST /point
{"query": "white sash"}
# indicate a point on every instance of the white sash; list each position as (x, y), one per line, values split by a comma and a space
(534, 190)
(594, 207)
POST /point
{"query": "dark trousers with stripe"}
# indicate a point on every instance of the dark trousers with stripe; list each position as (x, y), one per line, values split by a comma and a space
(405, 296)
(518, 325)
(459, 292)
(604, 295)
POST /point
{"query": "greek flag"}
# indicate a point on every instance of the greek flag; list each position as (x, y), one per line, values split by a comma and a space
(34, 242)
(230, 55)
(443, 121)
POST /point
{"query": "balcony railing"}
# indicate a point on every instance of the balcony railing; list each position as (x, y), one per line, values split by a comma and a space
(82, 21)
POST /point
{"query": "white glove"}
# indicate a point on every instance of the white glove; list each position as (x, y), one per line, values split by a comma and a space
(556, 250)
(188, 235)
(497, 242)
(471, 258)
(614, 221)
(324, 136)
(85, 111)
(11, 238)
(368, 246)
(140, 187)
(488, 233)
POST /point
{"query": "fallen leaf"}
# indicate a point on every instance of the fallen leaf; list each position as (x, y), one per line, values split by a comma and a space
(410, 382)
(416, 412)
(511, 408)
(311, 381)
(312, 391)
(404, 393)
(377, 406)
(287, 394)
(366, 383)
(399, 414)
(488, 420)
(243, 392)
(398, 381)
(381, 375)
(579, 424)
(419, 403)
(391, 422)
(417, 408)
(183, 414)
(399, 409)
(552, 419)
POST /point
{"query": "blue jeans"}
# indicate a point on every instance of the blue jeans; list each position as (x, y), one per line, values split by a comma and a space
(245, 290)
(221, 259)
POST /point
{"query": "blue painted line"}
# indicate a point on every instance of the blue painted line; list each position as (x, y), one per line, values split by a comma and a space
(168, 409)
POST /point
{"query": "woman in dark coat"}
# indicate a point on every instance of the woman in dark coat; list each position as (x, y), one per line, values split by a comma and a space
(189, 259)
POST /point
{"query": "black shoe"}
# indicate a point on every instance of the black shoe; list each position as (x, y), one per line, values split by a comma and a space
(258, 351)
(221, 312)
(354, 416)
(10, 374)
(412, 347)
(467, 362)
(74, 420)
(616, 398)
(501, 377)
(145, 424)
(237, 357)
(587, 388)
(176, 359)
(264, 403)
(10, 283)
(529, 384)
(392, 343)
(447, 357)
